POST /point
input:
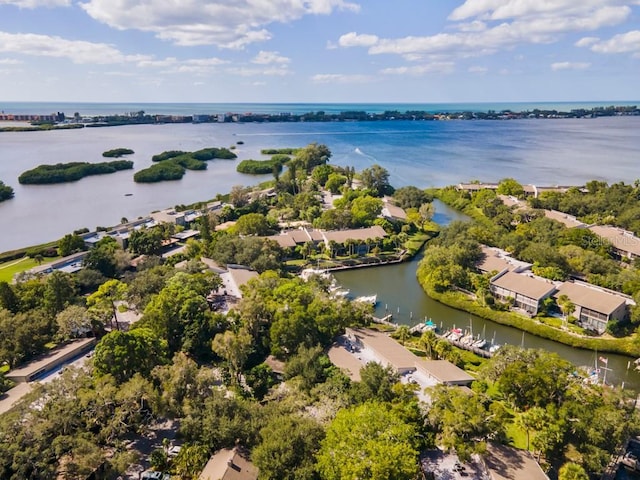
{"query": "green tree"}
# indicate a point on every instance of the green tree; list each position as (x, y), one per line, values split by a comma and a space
(123, 354)
(410, 197)
(103, 303)
(73, 322)
(376, 178)
(8, 298)
(190, 461)
(368, 441)
(235, 348)
(146, 241)
(365, 210)
(287, 448)
(509, 186)
(334, 182)
(572, 471)
(252, 224)
(6, 192)
(59, 292)
(69, 244)
(376, 383)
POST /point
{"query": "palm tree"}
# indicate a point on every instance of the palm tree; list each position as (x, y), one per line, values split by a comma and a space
(403, 333)
(428, 341)
(566, 306)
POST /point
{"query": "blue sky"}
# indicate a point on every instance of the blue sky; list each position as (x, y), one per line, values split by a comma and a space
(319, 50)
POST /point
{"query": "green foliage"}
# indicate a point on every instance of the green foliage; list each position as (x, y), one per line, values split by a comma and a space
(368, 441)
(262, 167)
(260, 254)
(117, 152)
(376, 178)
(166, 170)
(146, 241)
(411, 197)
(287, 448)
(253, 224)
(167, 155)
(279, 151)
(70, 172)
(123, 354)
(6, 192)
(464, 421)
(509, 186)
(69, 244)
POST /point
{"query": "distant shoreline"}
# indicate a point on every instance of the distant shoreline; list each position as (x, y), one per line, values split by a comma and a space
(62, 120)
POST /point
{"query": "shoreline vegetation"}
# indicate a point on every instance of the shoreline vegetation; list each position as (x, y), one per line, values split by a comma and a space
(61, 121)
(173, 164)
(448, 272)
(6, 192)
(70, 172)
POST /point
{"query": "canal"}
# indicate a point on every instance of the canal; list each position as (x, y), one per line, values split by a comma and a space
(400, 294)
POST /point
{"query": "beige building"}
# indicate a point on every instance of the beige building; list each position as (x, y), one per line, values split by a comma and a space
(526, 291)
(594, 306)
(625, 244)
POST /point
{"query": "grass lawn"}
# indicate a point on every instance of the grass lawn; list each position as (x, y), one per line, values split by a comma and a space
(9, 269)
(518, 436)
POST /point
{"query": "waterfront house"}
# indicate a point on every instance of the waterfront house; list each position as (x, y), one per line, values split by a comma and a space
(567, 220)
(498, 261)
(229, 464)
(595, 307)
(526, 291)
(292, 238)
(386, 350)
(392, 212)
(444, 372)
(624, 243)
(69, 264)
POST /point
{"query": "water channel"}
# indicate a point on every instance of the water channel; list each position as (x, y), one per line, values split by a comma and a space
(400, 294)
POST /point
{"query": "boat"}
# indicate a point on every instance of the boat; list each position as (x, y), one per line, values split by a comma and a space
(455, 334)
(480, 343)
(369, 299)
(494, 348)
(307, 273)
(128, 194)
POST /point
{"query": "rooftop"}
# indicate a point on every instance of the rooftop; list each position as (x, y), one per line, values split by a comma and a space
(51, 357)
(384, 347)
(591, 297)
(497, 260)
(340, 236)
(620, 239)
(229, 464)
(345, 360)
(529, 286)
(444, 371)
(567, 220)
(507, 463)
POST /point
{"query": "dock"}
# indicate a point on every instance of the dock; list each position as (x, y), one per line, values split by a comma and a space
(386, 320)
(481, 352)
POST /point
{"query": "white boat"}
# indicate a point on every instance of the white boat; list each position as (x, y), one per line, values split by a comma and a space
(480, 343)
(370, 299)
(494, 348)
(307, 273)
(339, 293)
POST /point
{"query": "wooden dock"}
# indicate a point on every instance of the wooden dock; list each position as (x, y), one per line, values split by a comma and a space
(386, 320)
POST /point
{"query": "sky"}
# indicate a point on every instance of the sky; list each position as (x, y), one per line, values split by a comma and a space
(416, 51)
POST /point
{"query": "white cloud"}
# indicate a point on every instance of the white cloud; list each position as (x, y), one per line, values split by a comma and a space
(266, 58)
(80, 52)
(556, 66)
(477, 69)
(475, 26)
(586, 41)
(36, 3)
(341, 78)
(509, 9)
(352, 39)
(437, 67)
(9, 61)
(628, 42)
(225, 23)
(278, 71)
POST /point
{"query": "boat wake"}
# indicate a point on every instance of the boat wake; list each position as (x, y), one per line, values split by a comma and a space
(365, 155)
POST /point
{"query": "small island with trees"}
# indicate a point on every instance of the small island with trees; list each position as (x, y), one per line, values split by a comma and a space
(71, 172)
(117, 152)
(173, 164)
(6, 192)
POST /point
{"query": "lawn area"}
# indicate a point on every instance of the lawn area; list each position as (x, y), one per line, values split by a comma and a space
(9, 269)
(518, 436)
